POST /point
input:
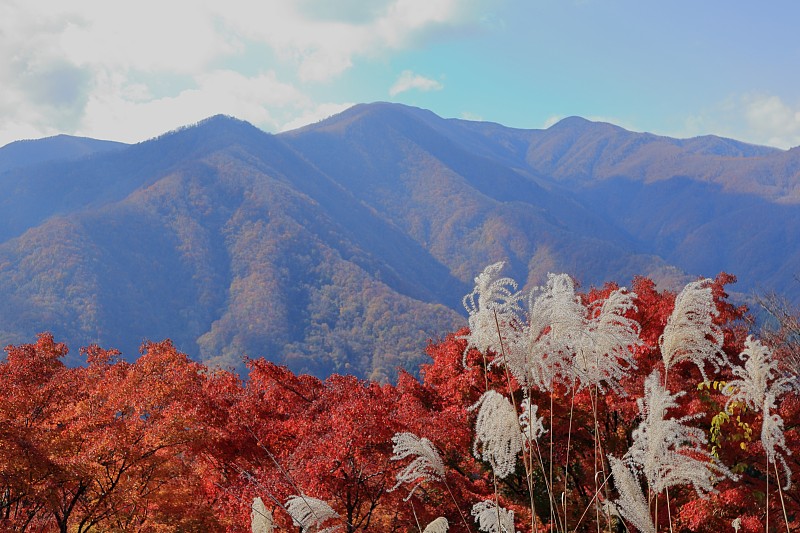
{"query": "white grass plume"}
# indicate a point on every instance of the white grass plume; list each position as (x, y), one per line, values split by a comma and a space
(690, 333)
(493, 301)
(440, 525)
(759, 375)
(556, 341)
(310, 514)
(260, 517)
(632, 503)
(772, 438)
(530, 423)
(543, 354)
(497, 433)
(426, 466)
(605, 355)
(758, 386)
(666, 450)
(486, 514)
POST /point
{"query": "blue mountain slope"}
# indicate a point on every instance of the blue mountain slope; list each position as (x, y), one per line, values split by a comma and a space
(27, 153)
(344, 246)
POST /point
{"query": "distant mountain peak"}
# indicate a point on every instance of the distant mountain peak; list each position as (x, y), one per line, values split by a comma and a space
(572, 122)
(210, 134)
(386, 112)
(580, 125)
(345, 245)
(216, 123)
(221, 119)
(63, 147)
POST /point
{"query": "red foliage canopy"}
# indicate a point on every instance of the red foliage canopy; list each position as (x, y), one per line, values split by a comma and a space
(165, 444)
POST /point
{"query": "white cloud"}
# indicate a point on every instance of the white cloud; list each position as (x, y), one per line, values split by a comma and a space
(756, 118)
(408, 81)
(467, 115)
(254, 99)
(316, 114)
(323, 47)
(773, 120)
(147, 35)
(91, 66)
(551, 121)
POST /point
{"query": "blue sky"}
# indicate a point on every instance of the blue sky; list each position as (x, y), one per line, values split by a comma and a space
(132, 70)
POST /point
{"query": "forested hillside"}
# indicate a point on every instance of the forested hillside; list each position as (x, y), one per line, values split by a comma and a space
(610, 409)
(344, 246)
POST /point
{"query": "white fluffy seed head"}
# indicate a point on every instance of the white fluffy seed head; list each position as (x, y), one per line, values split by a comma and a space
(632, 504)
(773, 439)
(498, 438)
(605, 354)
(492, 518)
(690, 333)
(260, 517)
(440, 525)
(759, 376)
(667, 450)
(557, 321)
(753, 379)
(494, 301)
(310, 514)
(558, 340)
(426, 466)
(759, 385)
(531, 425)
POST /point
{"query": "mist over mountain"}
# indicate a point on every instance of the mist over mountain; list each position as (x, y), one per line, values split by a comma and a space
(345, 245)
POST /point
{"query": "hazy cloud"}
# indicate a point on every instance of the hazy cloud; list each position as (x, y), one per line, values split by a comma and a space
(756, 118)
(89, 66)
(262, 100)
(311, 116)
(322, 47)
(350, 11)
(408, 81)
(551, 121)
(774, 121)
(467, 115)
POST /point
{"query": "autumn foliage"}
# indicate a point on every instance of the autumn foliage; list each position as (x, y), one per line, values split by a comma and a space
(167, 444)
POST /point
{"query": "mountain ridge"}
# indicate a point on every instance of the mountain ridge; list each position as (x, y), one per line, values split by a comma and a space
(345, 245)
(27, 152)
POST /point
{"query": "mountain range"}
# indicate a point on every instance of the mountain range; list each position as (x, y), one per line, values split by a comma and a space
(345, 245)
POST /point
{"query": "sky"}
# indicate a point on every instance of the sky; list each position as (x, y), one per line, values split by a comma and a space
(129, 71)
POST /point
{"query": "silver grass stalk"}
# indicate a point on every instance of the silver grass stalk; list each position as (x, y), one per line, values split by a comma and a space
(632, 504)
(309, 514)
(666, 450)
(772, 438)
(690, 333)
(426, 466)
(557, 343)
(440, 525)
(606, 356)
(531, 425)
(544, 353)
(492, 518)
(759, 376)
(498, 439)
(260, 517)
(493, 301)
(759, 385)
